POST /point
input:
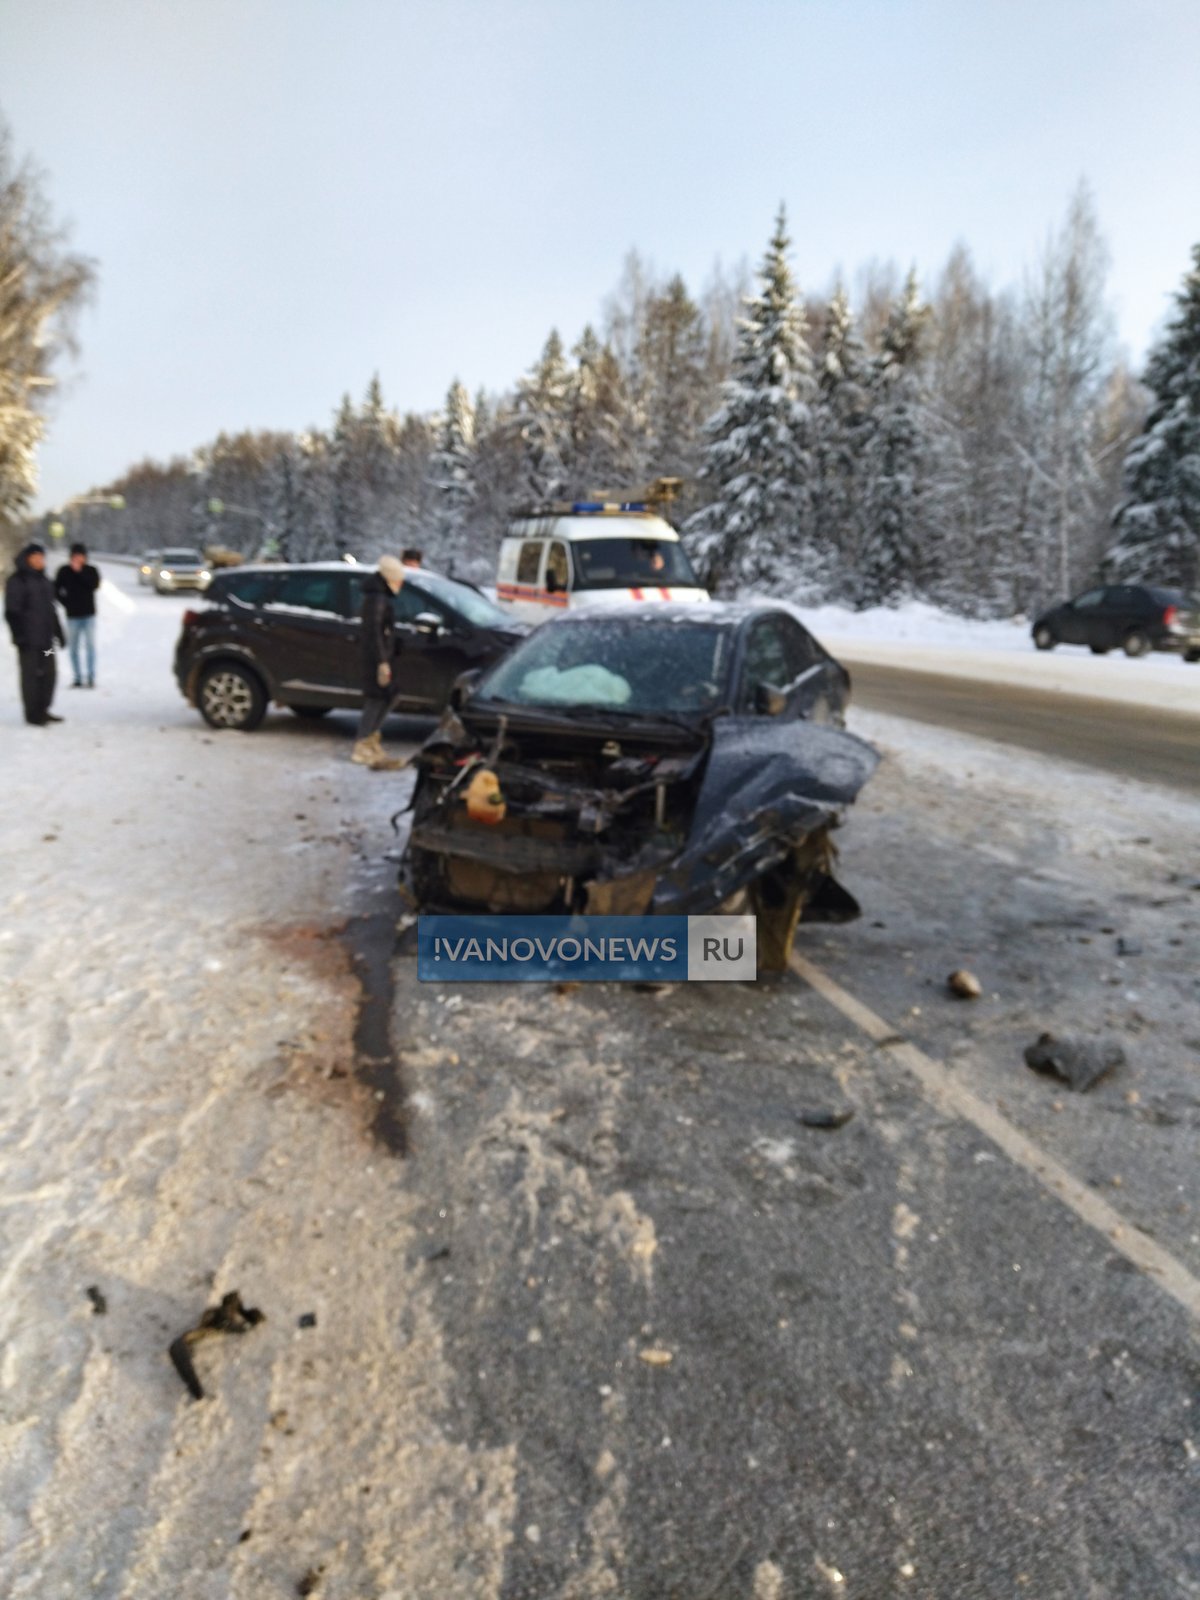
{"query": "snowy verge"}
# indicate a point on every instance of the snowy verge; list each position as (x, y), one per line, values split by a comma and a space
(181, 1117)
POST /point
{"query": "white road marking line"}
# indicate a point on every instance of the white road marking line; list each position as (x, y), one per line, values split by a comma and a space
(940, 1087)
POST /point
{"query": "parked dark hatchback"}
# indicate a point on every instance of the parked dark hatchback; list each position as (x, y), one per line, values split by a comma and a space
(292, 635)
(1126, 616)
(644, 759)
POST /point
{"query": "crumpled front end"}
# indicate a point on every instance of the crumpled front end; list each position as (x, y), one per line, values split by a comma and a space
(605, 820)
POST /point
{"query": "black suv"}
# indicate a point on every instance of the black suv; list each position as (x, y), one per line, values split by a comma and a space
(1133, 617)
(291, 635)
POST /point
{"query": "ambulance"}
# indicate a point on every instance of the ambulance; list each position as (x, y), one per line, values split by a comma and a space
(590, 554)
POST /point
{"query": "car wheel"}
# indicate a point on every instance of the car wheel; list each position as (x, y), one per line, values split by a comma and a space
(1136, 643)
(231, 697)
(1098, 649)
(1043, 638)
(1192, 655)
(311, 713)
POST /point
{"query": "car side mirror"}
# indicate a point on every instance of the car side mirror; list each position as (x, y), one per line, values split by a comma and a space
(769, 701)
(460, 691)
(428, 623)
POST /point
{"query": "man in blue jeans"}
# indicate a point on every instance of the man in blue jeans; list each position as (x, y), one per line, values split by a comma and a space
(75, 587)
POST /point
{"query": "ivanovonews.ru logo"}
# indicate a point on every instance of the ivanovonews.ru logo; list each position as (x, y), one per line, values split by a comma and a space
(501, 949)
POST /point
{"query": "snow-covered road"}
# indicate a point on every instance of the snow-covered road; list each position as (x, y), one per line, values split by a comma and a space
(590, 1173)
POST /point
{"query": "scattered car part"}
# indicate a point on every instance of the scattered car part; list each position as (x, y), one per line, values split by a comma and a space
(964, 985)
(829, 1120)
(231, 1316)
(1079, 1062)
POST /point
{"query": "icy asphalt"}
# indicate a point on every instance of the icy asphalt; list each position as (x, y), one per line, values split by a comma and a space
(619, 1323)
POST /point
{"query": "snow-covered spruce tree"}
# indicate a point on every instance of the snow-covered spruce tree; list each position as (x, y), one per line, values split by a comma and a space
(756, 532)
(540, 419)
(315, 532)
(452, 470)
(842, 429)
(671, 360)
(282, 516)
(349, 492)
(1158, 522)
(600, 419)
(890, 558)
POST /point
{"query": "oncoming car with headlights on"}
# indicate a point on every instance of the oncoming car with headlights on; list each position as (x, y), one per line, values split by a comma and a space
(180, 569)
(675, 759)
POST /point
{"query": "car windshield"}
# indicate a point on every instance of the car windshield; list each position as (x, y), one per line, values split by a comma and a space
(635, 664)
(631, 564)
(460, 597)
(181, 558)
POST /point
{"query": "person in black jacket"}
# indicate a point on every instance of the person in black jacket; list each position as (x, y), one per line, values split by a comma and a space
(75, 586)
(33, 622)
(379, 650)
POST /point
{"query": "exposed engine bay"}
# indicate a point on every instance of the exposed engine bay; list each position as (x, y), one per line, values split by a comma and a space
(543, 812)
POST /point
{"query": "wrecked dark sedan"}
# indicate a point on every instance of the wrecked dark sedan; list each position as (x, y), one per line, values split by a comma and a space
(686, 759)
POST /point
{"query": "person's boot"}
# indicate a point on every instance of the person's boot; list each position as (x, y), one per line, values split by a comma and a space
(380, 761)
(362, 752)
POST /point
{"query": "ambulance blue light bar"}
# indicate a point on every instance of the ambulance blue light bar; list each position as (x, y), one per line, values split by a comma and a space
(593, 506)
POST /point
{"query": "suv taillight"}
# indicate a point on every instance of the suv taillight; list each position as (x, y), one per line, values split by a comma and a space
(1169, 616)
(190, 618)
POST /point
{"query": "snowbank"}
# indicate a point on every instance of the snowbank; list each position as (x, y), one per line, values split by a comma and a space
(922, 638)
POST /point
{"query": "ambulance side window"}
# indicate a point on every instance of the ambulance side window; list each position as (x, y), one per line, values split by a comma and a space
(558, 569)
(529, 561)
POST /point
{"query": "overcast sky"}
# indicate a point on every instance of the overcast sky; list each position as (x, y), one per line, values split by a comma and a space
(284, 196)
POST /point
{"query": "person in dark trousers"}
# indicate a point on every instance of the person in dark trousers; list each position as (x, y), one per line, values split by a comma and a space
(33, 622)
(379, 649)
(75, 586)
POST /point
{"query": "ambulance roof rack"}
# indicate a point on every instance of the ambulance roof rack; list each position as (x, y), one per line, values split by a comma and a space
(652, 500)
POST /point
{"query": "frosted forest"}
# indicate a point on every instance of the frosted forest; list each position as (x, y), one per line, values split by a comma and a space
(900, 435)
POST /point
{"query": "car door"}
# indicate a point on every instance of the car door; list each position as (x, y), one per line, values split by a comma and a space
(313, 643)
(782, 656)
(1082, 621)
(431, 655)
(1113, 618)
(524, 594)
(1135, 609)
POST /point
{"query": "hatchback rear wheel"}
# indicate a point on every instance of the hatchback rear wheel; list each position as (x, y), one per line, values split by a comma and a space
(1136, 643)
(1043, 638)
(231, 697)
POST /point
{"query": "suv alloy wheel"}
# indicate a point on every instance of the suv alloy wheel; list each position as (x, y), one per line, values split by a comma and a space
(231, 697)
